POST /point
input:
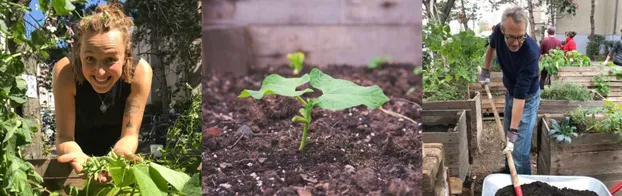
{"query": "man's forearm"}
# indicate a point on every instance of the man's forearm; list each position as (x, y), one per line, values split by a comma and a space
(517, 112)
(490, 54)
(127, 144)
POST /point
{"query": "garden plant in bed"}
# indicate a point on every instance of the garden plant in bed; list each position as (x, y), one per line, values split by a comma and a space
(338, 131)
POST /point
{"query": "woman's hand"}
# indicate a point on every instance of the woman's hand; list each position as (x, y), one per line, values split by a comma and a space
(77, 160)
(128, 155)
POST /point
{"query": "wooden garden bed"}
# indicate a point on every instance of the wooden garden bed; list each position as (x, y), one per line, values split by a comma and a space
(473, 110)
(434, 172)
(595, 155)
(563, 106)
(583, 76)
(449, 128)
(56, 175)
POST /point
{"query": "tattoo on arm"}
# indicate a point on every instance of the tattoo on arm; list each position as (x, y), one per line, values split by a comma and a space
(131, 109)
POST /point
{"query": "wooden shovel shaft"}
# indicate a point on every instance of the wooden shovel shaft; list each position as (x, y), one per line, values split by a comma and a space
(508, 155)
(494, 110)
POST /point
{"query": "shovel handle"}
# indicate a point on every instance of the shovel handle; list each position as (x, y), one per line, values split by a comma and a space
(517, 189)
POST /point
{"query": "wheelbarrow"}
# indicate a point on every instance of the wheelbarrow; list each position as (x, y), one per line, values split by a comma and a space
(494, 182)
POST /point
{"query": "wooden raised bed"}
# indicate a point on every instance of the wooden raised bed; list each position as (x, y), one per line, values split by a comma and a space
(449, 128)
(497, 90)
(56, 175)
(583, 76)
(473, 110)
(595, 155)
(563, 106)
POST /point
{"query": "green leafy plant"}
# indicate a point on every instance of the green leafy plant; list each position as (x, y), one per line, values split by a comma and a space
(295, 61)
(603, 84)
(448, 77)
(131, 178)
(556, 59)
(563, 132)
(337, 94)
(561, 90)
(18, 176)
(378, 61)
(183, 144)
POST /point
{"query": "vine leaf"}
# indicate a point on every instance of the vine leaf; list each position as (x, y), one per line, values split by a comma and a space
(146, 185)
(18, 182)
(340, 94)
(193, 186)
(276, 84)
(168, 176)
(121, 175)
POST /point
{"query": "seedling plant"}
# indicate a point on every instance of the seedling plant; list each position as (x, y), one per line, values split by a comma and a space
(295, 62)
(337, 94)
(563, 132)
(378, 61)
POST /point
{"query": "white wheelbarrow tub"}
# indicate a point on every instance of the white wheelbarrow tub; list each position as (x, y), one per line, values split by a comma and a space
(494, 182)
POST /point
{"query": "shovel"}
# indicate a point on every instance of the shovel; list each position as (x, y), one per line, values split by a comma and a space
(508, 155)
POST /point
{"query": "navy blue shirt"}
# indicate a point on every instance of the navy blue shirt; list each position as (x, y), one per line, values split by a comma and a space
(520, 69)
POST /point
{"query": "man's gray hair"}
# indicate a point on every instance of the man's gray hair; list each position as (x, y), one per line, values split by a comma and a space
(517, 13)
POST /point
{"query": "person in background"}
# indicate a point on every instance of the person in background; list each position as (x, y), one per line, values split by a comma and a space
(570, 43)
(518, 56)
(548, 43)
(615, 52)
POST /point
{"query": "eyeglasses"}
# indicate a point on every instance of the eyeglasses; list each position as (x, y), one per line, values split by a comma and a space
(511, 39)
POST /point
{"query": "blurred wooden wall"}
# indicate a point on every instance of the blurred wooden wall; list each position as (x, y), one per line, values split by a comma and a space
(238, 34)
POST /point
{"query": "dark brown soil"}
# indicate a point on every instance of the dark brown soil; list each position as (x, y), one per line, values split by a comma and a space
(543, 189)
(351, 152)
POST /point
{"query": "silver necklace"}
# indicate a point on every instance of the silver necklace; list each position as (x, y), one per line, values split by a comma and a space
(104, 106)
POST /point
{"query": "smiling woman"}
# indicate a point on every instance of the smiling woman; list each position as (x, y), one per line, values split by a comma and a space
(100, 90)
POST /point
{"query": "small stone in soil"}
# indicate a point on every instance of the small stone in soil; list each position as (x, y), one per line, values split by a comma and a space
(245, 129)
(349, 169)
(261, 160)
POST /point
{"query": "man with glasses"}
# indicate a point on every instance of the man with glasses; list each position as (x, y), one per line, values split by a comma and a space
(518, 55)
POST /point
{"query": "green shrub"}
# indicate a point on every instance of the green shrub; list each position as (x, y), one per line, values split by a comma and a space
(566, 91)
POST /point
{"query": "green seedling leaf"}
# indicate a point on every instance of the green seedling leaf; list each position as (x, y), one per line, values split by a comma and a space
(146, 184)
(276, 84)
(121, 174)
(296, 60)
(340, 94)
(175, 178)
(193, 186)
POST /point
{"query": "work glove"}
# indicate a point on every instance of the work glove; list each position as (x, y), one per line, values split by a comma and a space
(511, 137)
(484, 77)
(605, 62)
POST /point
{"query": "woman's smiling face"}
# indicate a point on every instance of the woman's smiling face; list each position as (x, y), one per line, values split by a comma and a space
(102, 56)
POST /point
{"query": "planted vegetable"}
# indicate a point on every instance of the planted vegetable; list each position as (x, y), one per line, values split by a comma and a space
(337, 94)
(295, 61)
(378, 61)
(566, 91)
(563, 132)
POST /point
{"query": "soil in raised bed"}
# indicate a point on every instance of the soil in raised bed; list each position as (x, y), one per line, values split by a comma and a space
(438, 128)
(543, 189)
(251, 146)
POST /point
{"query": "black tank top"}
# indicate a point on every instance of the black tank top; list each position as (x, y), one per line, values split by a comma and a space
(95, 131)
